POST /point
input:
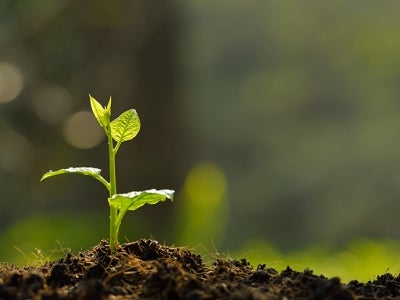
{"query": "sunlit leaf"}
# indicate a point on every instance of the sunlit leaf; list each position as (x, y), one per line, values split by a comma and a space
(101, 113)
(134, 200)
(92, 172)
(109, 105)
(126, 126)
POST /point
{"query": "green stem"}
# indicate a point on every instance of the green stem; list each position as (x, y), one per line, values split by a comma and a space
(113, 190)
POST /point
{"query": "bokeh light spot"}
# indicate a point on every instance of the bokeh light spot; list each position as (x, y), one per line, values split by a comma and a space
(206, 185)
(82, 131)
(14, 151)
(52, 104)
(11, 82)
(205, 207)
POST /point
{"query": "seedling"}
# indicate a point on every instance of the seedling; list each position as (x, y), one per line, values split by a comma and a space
(121, 129)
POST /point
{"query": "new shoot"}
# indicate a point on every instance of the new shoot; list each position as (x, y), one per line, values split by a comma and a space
(123, 128)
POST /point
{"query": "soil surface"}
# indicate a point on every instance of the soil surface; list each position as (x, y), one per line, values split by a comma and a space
(146, 269)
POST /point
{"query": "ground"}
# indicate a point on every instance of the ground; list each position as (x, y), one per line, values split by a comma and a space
(146, 269)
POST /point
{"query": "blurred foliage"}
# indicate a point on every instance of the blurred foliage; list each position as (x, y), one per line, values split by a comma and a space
(202, 217)
(39, 238)
(302, 114)
(362, 259)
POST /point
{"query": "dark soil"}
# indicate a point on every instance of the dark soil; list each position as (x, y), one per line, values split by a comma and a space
(148, 270)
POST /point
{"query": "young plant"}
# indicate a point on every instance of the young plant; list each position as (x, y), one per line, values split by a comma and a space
(122, 129)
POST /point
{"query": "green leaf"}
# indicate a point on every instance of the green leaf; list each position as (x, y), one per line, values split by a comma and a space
(92, 172)
(109, 106)
(126, 126)
(101, 113)
(134, 200)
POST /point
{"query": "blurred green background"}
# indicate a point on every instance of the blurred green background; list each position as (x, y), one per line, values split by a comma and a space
(277, 123)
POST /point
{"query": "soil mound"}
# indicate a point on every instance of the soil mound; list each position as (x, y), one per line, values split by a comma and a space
(146, 269)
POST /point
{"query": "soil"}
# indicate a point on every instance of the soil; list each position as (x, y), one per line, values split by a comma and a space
(146, 269)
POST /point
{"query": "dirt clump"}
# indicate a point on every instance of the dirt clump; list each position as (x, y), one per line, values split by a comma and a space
(146, 269)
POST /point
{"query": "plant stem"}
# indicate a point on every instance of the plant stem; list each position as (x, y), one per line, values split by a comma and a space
(113, 191)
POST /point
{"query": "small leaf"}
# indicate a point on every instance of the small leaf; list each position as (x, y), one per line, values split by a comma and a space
(109, 106)
(101, 113)
(134, 200)
(92, 172)
(126, 126)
